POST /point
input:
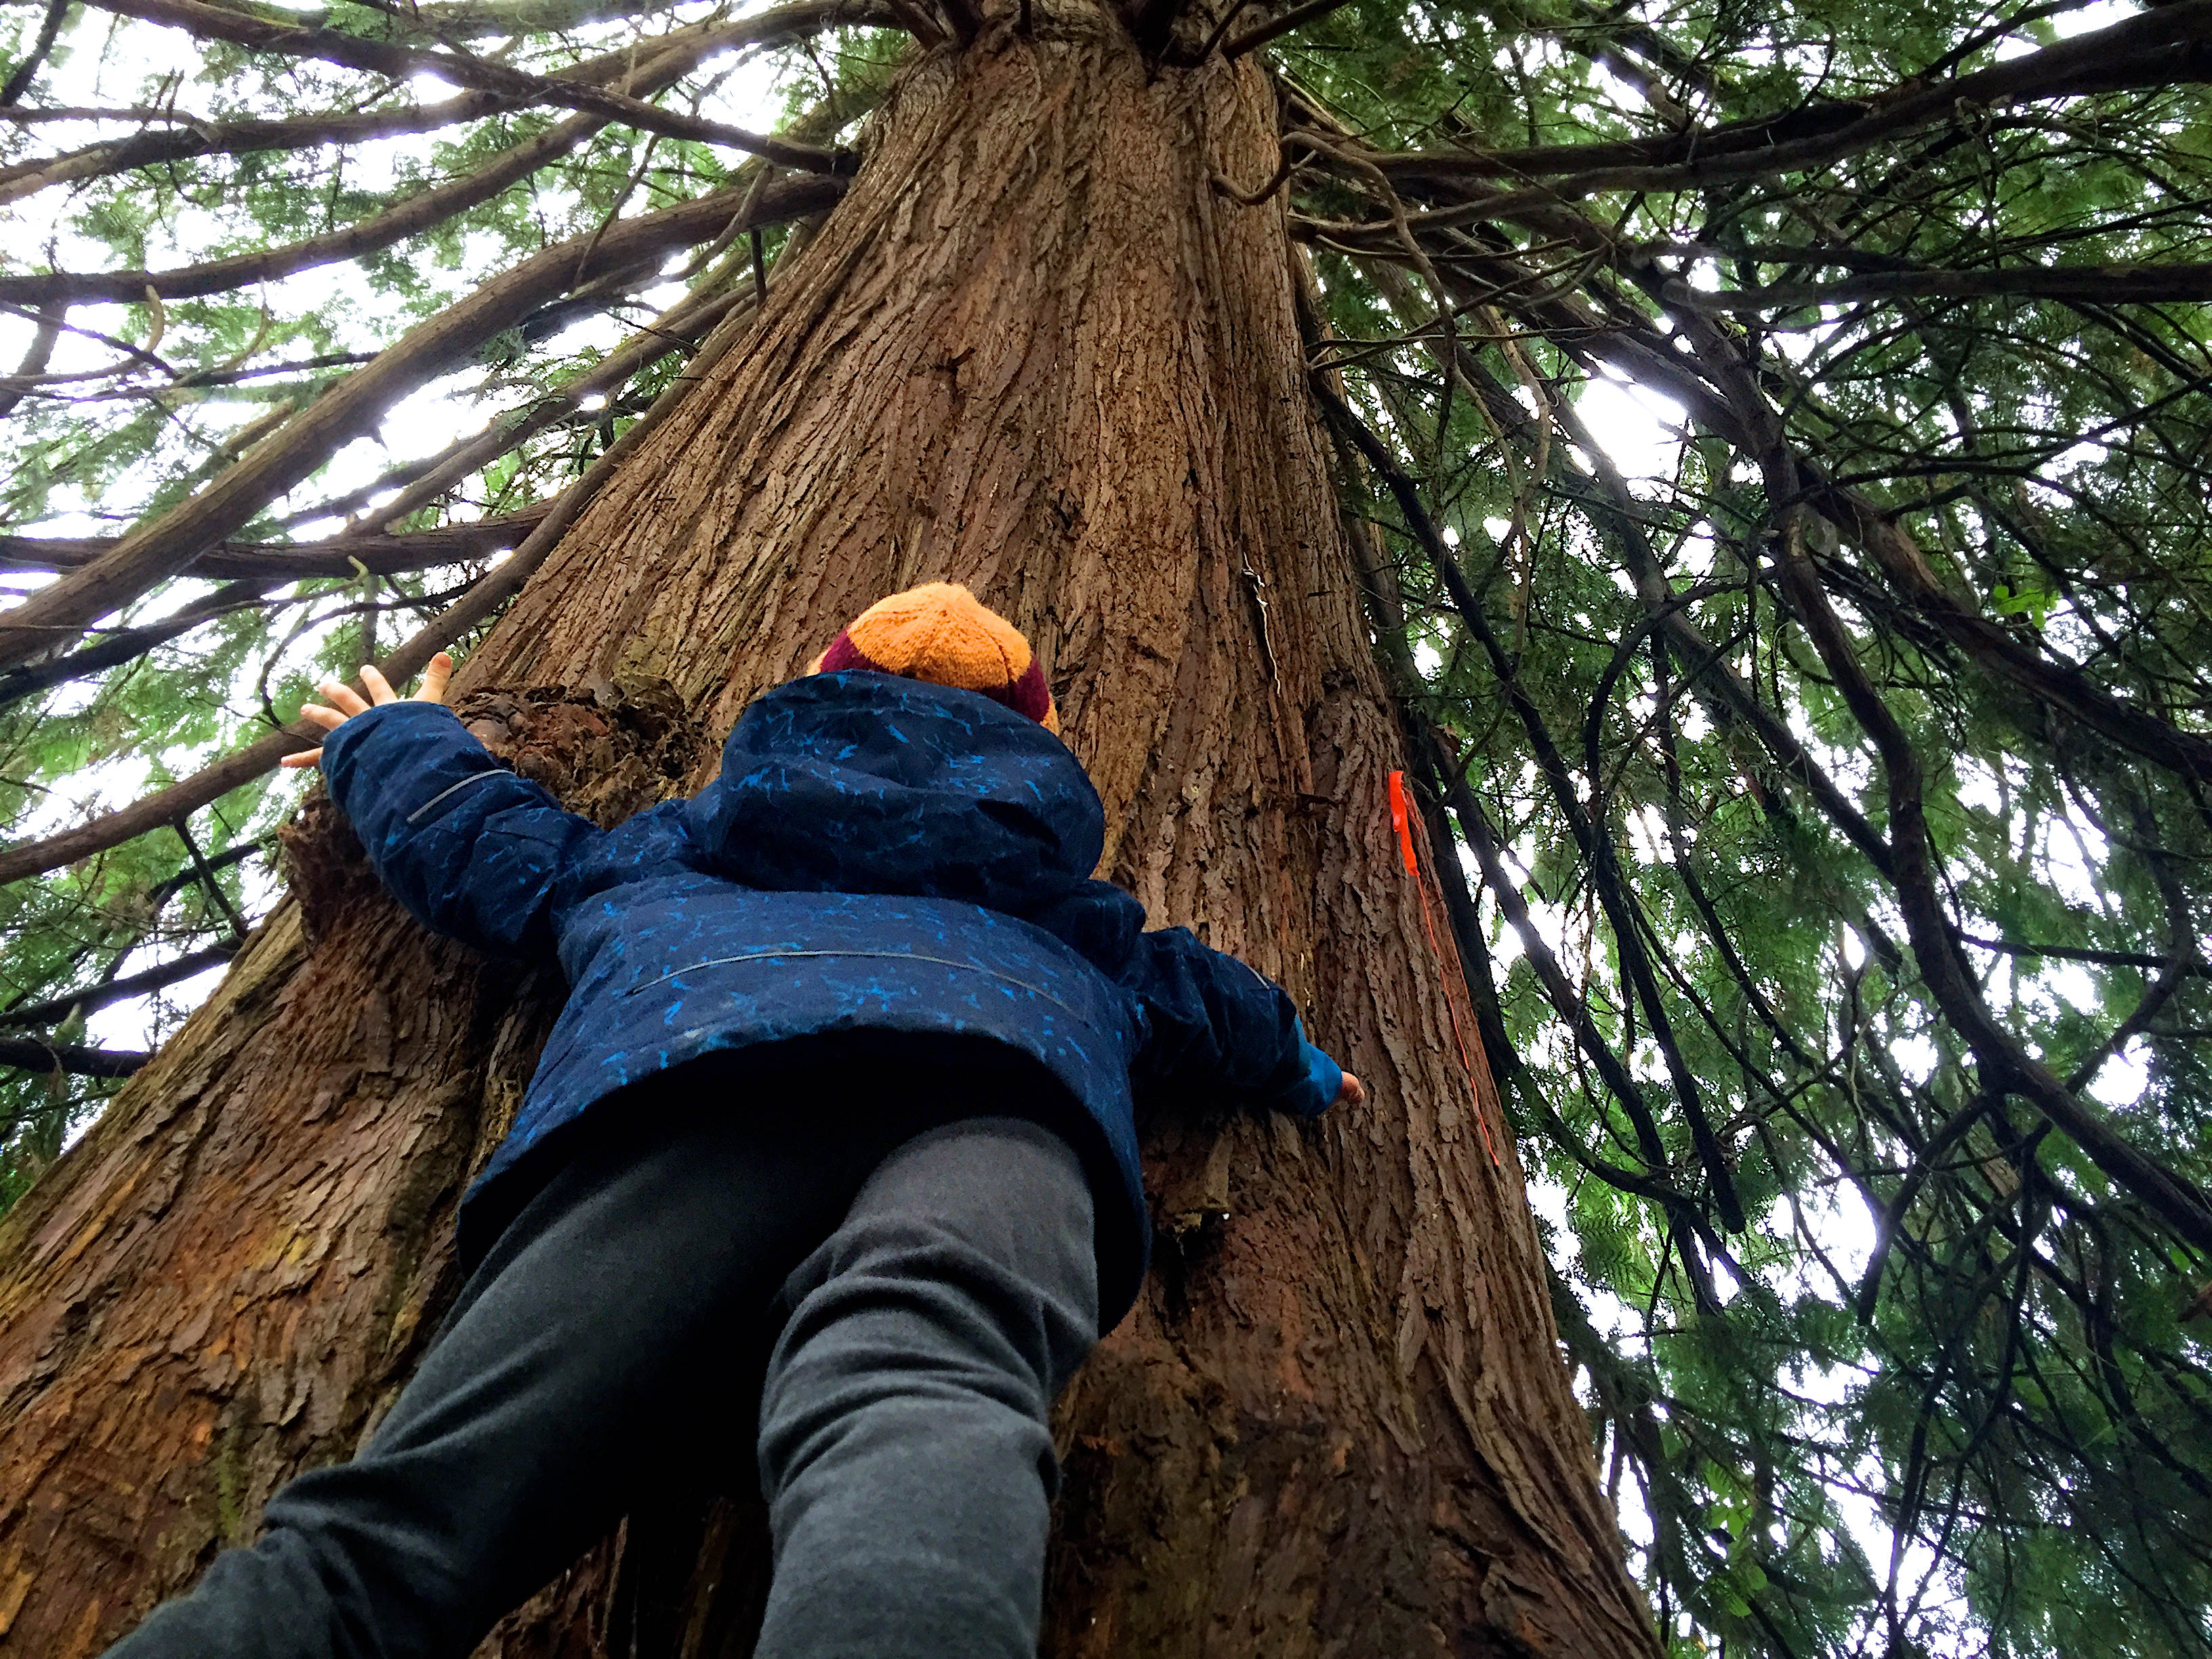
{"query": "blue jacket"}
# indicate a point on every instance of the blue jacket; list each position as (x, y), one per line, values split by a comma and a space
(878, 854)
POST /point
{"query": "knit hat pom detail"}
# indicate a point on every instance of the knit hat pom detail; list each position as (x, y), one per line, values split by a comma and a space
(942, 633)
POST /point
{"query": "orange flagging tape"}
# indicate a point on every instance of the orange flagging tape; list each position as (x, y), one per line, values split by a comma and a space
(1401, 821)
(1398, 822)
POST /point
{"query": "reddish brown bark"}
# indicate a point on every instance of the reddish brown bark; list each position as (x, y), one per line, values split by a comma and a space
(1035, 351)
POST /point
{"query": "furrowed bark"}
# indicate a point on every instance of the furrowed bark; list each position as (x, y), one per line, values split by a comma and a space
(1033, 351)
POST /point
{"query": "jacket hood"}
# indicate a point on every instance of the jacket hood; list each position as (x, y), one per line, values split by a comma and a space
(865, 782)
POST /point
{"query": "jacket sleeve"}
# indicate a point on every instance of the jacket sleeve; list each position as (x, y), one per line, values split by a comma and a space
(469, 846)
(1213, 1022)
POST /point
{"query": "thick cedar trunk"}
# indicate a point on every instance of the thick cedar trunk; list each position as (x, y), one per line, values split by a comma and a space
(1036, 352)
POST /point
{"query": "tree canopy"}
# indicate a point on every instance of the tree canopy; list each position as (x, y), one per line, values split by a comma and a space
(1828, 766)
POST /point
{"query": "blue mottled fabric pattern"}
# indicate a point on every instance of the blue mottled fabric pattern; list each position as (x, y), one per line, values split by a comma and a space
(878, 856)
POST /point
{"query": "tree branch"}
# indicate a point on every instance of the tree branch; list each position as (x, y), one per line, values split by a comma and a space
(190, 135)
(478, 604)
(1593, 839)
(2164, 46)
(2177, 1201)
(413, 213)
(338, 557)
(2124, 284)
(967, 19)
(1296, 17)
(221, 23)
(36, 1054)
(122, 645)
(56, 614)
(39, 353)
(54, 1010)
(20, 78)
(2082, 953)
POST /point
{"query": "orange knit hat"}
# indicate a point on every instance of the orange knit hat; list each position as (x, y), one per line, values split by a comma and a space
(941, 633)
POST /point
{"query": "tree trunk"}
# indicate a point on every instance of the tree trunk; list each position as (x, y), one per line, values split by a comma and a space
(1036, 351)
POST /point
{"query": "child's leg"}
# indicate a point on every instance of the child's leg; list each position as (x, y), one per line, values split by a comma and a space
(591, 1350)
(904, 1448)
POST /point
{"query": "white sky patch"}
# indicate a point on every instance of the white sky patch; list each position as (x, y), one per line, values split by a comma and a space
(2067, 25)
(2122, 1080)
(1639, 429)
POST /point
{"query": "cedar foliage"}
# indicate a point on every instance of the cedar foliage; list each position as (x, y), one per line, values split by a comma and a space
(1833, 797)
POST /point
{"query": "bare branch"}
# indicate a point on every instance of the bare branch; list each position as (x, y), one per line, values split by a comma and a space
(2166, 45)
(54, 1010)
(222, 23)
(337, 557)
(1296, 17)
(2129, 284)
(477, 606)
(35, 358)
(55, 614)
(20, 78)
(415, 212)
(36, 1054)
(48, 386)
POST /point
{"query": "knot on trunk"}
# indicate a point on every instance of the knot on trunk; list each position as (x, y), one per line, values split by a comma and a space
(324, 864)
(607, 749)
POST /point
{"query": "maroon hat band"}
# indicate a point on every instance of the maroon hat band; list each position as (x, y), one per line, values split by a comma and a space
(1026, 694)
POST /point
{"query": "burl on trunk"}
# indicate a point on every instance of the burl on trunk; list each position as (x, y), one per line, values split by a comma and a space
(1037, 351)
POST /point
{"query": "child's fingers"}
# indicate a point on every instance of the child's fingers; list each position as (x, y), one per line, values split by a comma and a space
(1353, 1092)
(435, 677)
(379, 689)
(315, 714)
(305, 757)
(347, 699)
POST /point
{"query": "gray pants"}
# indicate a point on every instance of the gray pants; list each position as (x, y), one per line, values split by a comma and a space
(608, 1350)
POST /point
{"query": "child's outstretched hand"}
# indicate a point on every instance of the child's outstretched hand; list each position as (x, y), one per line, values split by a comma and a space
(1353, 1093)
(349, 703)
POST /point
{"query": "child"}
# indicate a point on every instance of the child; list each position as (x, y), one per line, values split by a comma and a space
(833, 1142)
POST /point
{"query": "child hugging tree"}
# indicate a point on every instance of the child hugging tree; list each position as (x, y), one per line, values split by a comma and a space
(830, 1161)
